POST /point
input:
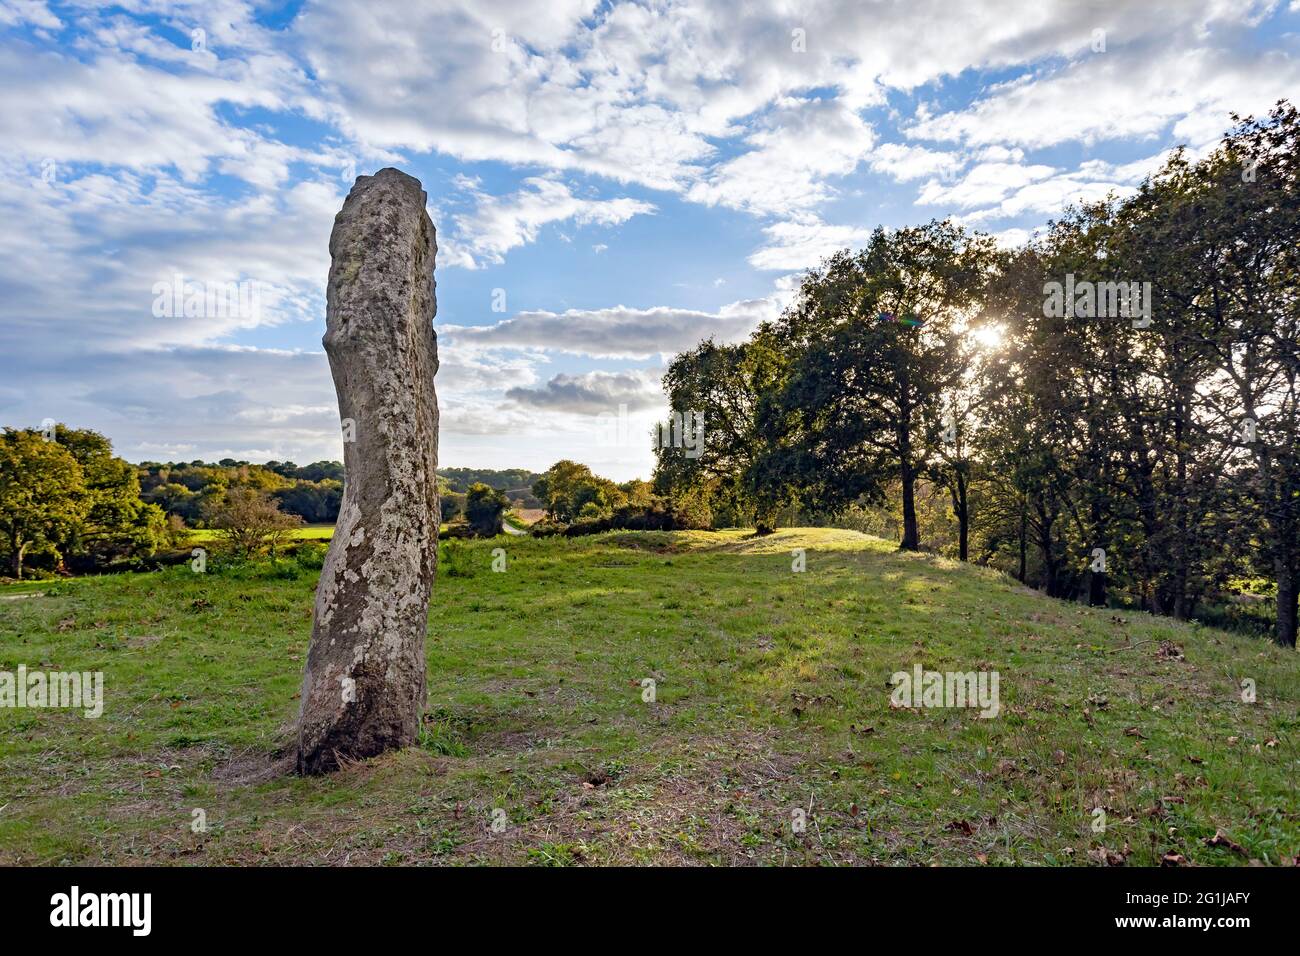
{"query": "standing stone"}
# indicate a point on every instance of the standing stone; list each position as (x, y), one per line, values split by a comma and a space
(363, 691)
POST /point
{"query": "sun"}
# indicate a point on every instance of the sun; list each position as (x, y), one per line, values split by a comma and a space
(987, 336)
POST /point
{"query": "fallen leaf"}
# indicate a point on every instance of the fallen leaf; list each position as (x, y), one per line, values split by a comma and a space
(1220, 839)
(1107, 856)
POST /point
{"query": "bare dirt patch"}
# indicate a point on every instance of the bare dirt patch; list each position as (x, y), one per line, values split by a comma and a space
(251, 767)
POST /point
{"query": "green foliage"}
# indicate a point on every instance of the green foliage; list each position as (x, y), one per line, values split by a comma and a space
(1137, 453)
(118, 523)
(580, 503)
(44, 500)
(865, 396)
(454, 560)
(566, 488)
(515, 483)
(313, 492)
(315, 502)
(251, 523)
(70, 499)
(726, 385)
(484, 507)
(452, 504)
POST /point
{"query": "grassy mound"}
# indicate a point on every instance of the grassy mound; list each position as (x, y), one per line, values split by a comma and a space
(770, 694)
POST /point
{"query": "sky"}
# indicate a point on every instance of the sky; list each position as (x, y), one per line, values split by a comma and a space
(611, 183)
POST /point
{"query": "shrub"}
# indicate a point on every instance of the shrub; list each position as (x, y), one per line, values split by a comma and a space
(484, 507)
(454, 559)
(251, 523)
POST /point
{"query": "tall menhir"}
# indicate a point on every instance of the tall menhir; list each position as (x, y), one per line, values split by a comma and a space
(363, 691)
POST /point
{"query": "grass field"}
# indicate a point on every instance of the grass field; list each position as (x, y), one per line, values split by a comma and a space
(771, 694)
(308, 532)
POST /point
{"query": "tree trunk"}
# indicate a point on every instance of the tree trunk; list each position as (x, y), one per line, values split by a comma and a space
(1097, 589)
(1288, 592)
(963, 518)
(363, 689)
(1182, 603)
(1046, 547)
(1023, 570)
(911, 539)
(17, 560)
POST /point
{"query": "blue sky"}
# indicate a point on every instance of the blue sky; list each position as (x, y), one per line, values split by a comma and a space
(628, 177)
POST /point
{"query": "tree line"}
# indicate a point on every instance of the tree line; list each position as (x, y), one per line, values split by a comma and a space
(69, 505)
(191, 490)
(1110, 410)
(579, 502)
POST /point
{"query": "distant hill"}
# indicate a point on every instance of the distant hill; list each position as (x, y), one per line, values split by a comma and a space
(517, 483)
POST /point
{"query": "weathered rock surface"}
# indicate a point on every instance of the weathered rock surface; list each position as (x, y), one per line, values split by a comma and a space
(363, 691)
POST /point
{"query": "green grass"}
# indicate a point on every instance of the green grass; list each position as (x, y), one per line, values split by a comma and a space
(771, 694)
(308, 532)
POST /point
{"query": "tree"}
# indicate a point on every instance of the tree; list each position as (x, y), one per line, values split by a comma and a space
(567, 487)
(251, 522)
(876, 344)
(314, 501)
(556, 488)
(721, 386)
(484, 507)
(43, 497)
(117, 522)
(1240, 224)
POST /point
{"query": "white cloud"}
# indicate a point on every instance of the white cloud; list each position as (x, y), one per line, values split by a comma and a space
(645, 92)
(116, 108)
(804, 244)
(1049, 197)
(1125, 93)
(105, 242)
(501, 223)
(983, 184)
(905, 163)
(1012, 238)
(796, 149)
(618, 332)
(593, 392)
(36, 12)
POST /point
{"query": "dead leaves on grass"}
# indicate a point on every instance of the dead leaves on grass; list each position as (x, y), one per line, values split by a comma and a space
(1169, 651)
(1223, 840)
(1109, 857)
